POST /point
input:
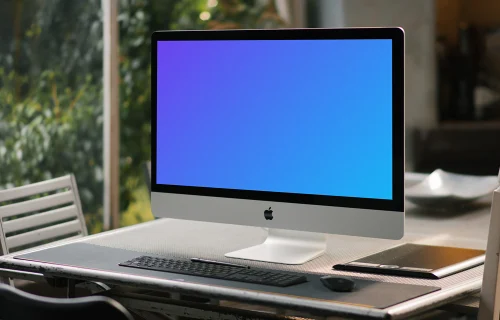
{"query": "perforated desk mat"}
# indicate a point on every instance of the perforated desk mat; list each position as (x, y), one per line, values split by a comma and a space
(368, 293)
(187, 239)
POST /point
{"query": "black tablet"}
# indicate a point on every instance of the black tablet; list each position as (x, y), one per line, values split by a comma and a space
(416, 260)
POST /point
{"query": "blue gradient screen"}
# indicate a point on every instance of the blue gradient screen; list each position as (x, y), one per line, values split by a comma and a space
(293, 116)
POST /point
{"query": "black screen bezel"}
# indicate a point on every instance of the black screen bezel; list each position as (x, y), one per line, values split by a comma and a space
(394, 34)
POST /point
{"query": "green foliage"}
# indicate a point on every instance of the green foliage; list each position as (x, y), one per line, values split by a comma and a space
(53, 131)
(135, 92)
(139, 209)
(49, 35)
(226, 14)
(51, 96)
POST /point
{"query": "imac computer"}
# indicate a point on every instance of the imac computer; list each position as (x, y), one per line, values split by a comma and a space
(299, 131)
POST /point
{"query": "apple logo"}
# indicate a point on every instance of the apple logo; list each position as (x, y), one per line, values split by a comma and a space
(268, 214)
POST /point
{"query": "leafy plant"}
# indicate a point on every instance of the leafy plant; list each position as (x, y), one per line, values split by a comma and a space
(54, 130)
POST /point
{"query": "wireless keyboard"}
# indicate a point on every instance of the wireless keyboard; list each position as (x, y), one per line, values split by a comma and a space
(217, 271)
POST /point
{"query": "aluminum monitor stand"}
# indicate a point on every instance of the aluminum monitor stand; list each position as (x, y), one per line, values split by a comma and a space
(489, 307)
(285, 247)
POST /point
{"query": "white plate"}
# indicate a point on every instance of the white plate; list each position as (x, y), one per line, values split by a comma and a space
(412, 178)
(442, 188)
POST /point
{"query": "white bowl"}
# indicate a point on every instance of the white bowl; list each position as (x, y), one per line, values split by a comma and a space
(442, 188)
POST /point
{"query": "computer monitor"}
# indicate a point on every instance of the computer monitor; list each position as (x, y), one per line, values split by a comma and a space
(297, 130)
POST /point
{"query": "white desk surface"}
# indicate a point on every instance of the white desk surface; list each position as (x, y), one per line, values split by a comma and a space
(467, 228)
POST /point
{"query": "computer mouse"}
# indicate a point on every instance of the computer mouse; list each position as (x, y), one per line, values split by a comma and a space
(338, 284)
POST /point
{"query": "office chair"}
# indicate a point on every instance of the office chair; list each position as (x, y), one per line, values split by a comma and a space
(16, 304)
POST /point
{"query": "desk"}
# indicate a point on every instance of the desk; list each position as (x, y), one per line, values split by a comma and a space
(188, 239)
